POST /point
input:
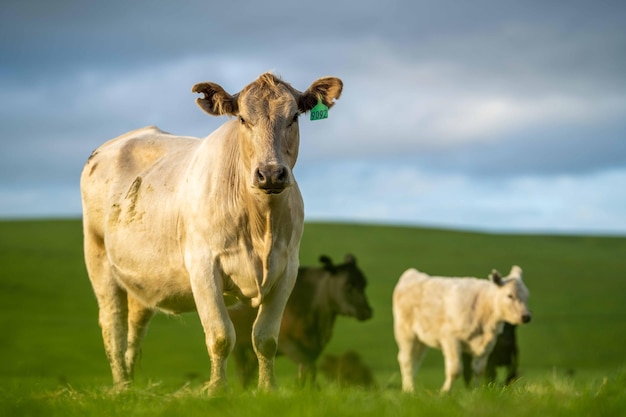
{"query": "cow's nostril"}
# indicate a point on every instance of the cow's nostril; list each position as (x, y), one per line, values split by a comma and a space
(261, 177)
(281, 175)
(526, 318)
(273, 177)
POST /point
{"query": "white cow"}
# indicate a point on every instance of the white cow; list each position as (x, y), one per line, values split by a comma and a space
(454, 315)
(172, 223)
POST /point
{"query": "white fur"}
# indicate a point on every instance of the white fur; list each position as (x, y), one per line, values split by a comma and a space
(172, 223)
(454, 315)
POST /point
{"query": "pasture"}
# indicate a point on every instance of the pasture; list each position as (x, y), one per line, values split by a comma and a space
(572, 354)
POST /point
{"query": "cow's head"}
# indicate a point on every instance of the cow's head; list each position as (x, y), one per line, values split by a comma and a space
(347, 288)
(512, 298)
(268, 111)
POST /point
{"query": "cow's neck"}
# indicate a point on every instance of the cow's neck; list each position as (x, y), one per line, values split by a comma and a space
(245, 221)
(324, 309)
(486, 315)
(264, 216)
(265, 212)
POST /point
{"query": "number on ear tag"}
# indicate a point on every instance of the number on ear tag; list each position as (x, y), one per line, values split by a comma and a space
(320, 111)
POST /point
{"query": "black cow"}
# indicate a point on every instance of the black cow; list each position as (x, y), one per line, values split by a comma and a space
(505, 353)
(319, 295)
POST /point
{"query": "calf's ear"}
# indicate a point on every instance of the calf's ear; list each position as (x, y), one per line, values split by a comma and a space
(349, 259)
(216, 101)
(327, 262)
(495, 277)
(516, 272)
(325, 89)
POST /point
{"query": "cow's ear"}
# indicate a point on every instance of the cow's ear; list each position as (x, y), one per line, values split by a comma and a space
(516, 272)
(325, 89)
(216, 101)
(349, 259)
(495, 277)
(327, 262)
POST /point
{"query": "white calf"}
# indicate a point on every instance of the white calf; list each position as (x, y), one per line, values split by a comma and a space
(454, 315)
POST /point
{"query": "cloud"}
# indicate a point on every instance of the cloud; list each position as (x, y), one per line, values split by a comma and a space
(441, 98)
(401, 194)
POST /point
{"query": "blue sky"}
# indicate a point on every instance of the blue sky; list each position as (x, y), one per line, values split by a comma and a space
(487, 115)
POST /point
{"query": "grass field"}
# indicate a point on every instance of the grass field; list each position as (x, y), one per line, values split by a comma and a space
(572, 354)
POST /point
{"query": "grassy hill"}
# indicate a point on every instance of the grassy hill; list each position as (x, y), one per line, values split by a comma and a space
(577, 285)
(48, 315)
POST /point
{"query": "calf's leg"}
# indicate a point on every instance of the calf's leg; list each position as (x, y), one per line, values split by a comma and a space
(491, 372)
(512, 368)
(411, 351)
(479, 364)
(454, 366)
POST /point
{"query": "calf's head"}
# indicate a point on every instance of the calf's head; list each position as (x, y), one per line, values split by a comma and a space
(512, 296)
(347, 288)
(268, 132)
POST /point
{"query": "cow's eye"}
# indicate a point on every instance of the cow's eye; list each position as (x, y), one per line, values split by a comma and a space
(242, 120)
(511, 296)
(294, 119)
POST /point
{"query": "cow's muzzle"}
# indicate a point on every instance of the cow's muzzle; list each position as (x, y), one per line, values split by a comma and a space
(364, 314)
(271, 178)
(526, 318)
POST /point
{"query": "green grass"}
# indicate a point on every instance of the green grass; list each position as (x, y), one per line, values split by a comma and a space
(52, 360)
(553, 396)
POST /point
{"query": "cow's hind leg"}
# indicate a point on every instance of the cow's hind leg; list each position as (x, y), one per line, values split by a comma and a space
(138, 319)
(411, 352)
(113, 309)
(246, 363)
(307, 371)
(112, 319)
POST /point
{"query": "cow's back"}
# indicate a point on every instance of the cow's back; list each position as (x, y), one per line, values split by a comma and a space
(435, 307)
(113, 169)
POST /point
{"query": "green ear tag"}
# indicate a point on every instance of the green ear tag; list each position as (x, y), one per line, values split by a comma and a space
(320, 111)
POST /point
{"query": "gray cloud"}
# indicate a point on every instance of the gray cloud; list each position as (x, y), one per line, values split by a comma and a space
(474, 89)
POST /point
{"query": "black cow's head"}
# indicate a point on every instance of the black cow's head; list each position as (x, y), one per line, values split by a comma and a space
(347, 287)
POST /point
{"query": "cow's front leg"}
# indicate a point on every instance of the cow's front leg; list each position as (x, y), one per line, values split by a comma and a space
(291, 348)
(218, 329)
(481, 349)
(453, 364)
(265, 334)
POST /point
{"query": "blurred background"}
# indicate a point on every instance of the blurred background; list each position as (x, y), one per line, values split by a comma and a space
(485, 115)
